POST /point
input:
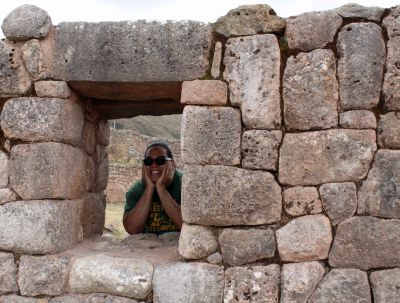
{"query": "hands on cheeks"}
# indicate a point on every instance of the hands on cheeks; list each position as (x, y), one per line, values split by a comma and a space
(146, 178)
(167, 175)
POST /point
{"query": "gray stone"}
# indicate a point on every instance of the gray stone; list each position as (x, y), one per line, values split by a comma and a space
(360, 69)
(69, 299)
(104, 298)
(47, 170)
(299, 281)
(305, 238)
(220, 144)
(249, 20)
(39, 227)
(49, 119)
(103, 132)
(93, 213)
(192, 282)
(204, 92)
(215, 258)
(4, 169)
(301, 30)
(197, 241)
(14, 78)
(310, 91)
(216, 63)
(90, 173)
(102, 168)
(129, 51)
(358, 119)
(256, 284)
(389, 131)
(89, 137)
(299, 201)
(314, 158)
(52, 89)
(25, 22)
(252, 68)
(379, 194)
(118, 276)
(343, 285)
(47, 275)
(34, 60)
(224, 196)
(241, 246)
(8, 274)
(7, 195)
(353, 10)
(339, 200)
(19, 299)
(386, 285)
(366, 242)
(260, 149)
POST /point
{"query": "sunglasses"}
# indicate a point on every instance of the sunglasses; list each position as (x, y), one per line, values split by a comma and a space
(159, 161)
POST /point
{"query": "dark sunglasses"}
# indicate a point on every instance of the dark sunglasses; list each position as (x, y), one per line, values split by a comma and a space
(159, 161)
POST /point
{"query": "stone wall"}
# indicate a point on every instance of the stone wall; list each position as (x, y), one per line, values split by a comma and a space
(290, 147)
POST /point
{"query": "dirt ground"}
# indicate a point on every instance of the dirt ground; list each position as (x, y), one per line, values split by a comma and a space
(113, 224)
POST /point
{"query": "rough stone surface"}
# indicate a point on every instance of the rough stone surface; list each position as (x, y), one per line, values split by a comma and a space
(241, 246)
(14, 78)
(103, 132)
(102, 168)
(216, 64)
(191, 281)
(8, 274)
(25, 22)
(386, 285)
(260, 149)
(353, 10)
(53, 224)
(301, 33)
(224, 196)
(249, 20)
(52, 89)
(310, 91)
(36, 119)
(47, 170)
(4, 169)
(357, 119)
(305, 239)
(339, 200)
(93, 213)
(33, 58)
(379, 195)
(257, 284)
(343, 285)
(220, 144)
(215, 258)
(118, 276)
(299, 281)
(129, 51)
(360, 69)
(389, 131)
(391, 84)
(92, 298)
(300, 201)
(197, 241)
(47, 275)
(7, 195)
(252, 67)
(90, 173)
(19, 299)
(366, 242)
(204, 92)
(89, 137)
(326, 156)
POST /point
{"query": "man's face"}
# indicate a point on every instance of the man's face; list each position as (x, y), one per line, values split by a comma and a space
(155, 170)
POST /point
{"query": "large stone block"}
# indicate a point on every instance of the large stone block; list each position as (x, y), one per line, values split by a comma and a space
(241, 246)
(256, 284)
(103, 132)
(379, 194)
(366, 242)
(211, 135)
(89, 137)
(343, 285)
(300, 201)
(93, 298)
(252, 68)
(204, 92)
(326, 156)
(118, 276)
(216, 64)
(188, 282)
(360, 70)
(386, 285)
(305, 238)
(7, 195)
(301, 30)
(19, 299)
(138, 51)
(93, 213)
(358, 119)
(310, 91)
(42, 119)
(197, 241)
(101, 159)
(8, 274)
(353, 10)
(47, 170)
(389, 131)
(47, 275)
(224, 196)
(39, 227)
(299, 281)
(52, 89)
(4, 169)
(34, 59)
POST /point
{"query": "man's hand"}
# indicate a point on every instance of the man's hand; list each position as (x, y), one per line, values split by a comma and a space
(146, 178)
(167, 175)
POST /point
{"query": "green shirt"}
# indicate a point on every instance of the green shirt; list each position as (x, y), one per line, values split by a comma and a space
(158, 221)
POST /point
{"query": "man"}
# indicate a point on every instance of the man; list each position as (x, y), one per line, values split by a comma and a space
(153, 203)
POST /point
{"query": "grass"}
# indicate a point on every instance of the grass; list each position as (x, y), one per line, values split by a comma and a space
(114, 213)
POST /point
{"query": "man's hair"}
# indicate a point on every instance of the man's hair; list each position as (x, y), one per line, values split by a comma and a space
(160, 144)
